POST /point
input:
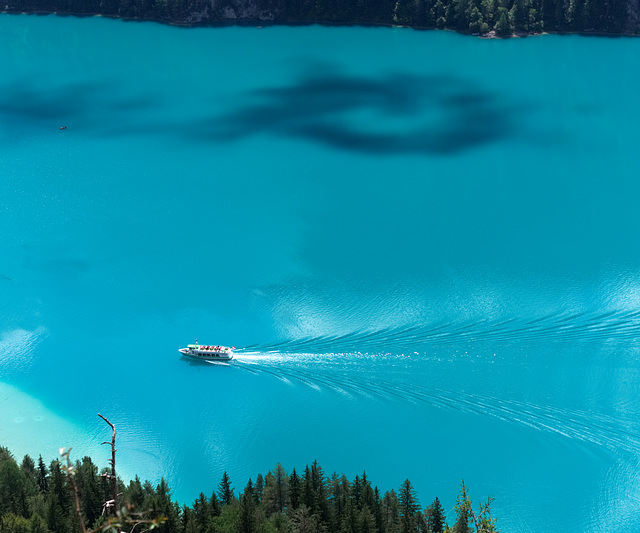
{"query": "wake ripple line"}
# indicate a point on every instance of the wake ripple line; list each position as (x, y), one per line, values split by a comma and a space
(605, 327)
(587, 427)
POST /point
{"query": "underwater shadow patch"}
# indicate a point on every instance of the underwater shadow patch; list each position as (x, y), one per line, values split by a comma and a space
(25, 106)
(392, 114)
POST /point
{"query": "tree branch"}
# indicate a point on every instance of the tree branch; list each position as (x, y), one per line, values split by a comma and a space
(114, 485)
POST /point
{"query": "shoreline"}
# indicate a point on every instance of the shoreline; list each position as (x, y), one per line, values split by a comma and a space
(260, 24)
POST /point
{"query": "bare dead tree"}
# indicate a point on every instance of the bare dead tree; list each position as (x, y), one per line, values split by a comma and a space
(123, 519)
(113, 504)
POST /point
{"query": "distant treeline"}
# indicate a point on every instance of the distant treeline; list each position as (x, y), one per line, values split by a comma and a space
(40, 498)
(499, 17)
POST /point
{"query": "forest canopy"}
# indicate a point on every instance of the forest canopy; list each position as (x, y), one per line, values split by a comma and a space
(36, 497)
(482, 17)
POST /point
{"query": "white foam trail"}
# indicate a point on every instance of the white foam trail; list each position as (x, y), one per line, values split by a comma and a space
(601, 430)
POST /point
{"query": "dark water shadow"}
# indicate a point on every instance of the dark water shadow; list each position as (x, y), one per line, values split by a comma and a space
(410, 113)
(392, 113)
(31, 105)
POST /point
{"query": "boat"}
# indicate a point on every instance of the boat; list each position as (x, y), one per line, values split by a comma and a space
(205, 352)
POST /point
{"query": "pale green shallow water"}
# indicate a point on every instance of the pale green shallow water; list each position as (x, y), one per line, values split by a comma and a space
(426, 244)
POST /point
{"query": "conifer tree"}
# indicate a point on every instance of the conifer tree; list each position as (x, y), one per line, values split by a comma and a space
(439, 12)
(42, 474)
(56, 516)
(225, 490)
(349, 523)
(487, 10)
(356, 489)
(476, 24)
(368, 496)
(503, 26)
(366, 521)
(294, 489)
(12, 486)
(28, 467)
(519, 14)
(247, 523)
(187, 518)
(377, 510)
(282, 487)
(463, 511)
(162, 505)
(91, 497)
(409, 506)
(304, 521)
(134, 493)
(307, 488)
(58, 487)
(214, 504)
(339, 489)
(258, 488)
(37, 524)
(318, 483)
(340, 506)
(435, 517)
(202, 512)
(390, 512)
(269, 498)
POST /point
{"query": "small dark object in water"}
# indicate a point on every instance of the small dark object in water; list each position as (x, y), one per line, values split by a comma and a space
(63, 127)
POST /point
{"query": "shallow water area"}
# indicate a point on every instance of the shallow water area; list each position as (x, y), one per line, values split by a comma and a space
(422, 244)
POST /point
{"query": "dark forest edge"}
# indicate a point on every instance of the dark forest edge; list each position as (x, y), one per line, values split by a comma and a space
(490, 18)
(36, 498)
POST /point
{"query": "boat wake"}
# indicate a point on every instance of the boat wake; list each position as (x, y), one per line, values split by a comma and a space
(612, 326)
(613, 433)
(393, 364)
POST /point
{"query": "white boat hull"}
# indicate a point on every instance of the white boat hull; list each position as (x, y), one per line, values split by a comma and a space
(207, 355)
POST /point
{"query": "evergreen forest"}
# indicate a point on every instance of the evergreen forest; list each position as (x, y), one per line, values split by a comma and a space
(482, 17)
(77, 497)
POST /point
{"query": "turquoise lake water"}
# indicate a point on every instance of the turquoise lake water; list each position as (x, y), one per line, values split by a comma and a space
(425, 245)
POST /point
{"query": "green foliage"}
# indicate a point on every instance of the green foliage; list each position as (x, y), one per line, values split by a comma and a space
(227, 521)
(485, 523)
(258, 488)
(519, 14)
(41, 475)
(160, 504)
(37, 524)
(40, 499)
(13, 486)
(225, 490)
(247, 522)
(473, 16)
(390, 512)
(294, 489)
(91, 496)
(11, 523)
(463, 511)
(435, 517)
(303, 520)
(503, 26)
(281, 480)
(409, 508)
